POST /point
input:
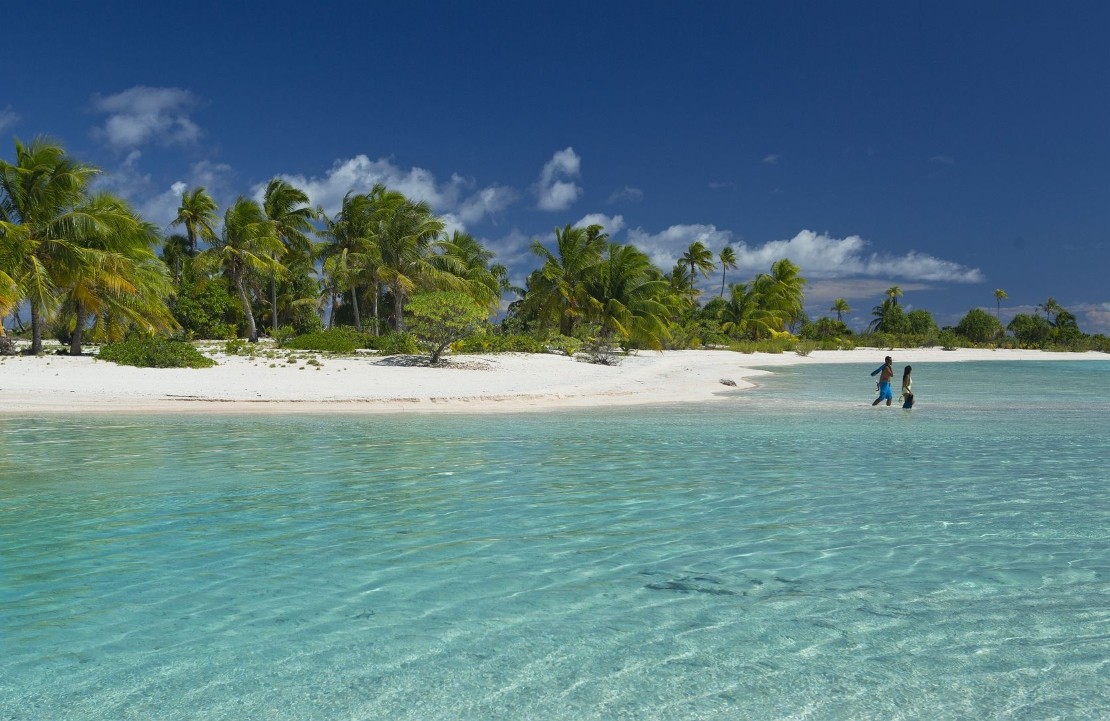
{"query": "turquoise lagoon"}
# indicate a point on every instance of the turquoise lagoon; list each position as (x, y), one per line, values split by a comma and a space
(789, 552)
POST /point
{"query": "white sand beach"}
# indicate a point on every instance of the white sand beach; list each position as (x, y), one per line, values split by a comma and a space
(365, 384)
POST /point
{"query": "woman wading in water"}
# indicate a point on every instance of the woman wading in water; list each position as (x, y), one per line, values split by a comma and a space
(907, 390)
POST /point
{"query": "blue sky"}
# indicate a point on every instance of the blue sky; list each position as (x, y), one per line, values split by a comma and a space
(950, 148)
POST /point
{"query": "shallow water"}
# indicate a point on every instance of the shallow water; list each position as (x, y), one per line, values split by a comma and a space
(790, 552)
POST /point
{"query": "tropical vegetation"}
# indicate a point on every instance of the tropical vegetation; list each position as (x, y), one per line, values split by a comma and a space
(382, 273)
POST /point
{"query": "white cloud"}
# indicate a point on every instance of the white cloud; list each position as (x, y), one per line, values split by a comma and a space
(612, 224)
(1092, 317)
(818, 255)
(626, 193)
(823, 257)
(487, 202)
(825, 291)
(159, 204)
(772, 159)
(161, 208)
(8, 118)
(665, 248)
(451, 224)
(143, 114)
(555, 188)
(513, 251)
(1096, 321)
(452, 199)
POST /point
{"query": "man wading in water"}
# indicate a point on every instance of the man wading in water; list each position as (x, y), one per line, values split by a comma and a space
(886, 372)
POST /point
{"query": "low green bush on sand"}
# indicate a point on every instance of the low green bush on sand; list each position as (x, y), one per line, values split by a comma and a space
(500, 343)
(395, 344)
(155, 353)
(336, 340)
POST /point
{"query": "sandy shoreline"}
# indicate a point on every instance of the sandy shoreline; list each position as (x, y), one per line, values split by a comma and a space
(490, 383)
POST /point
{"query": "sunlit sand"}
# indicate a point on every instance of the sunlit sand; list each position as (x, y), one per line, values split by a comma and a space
(478, 383)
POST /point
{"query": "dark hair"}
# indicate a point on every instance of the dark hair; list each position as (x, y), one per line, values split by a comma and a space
(906, 372)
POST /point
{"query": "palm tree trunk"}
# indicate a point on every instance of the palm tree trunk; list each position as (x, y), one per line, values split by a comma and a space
(398, 309)
(273, 303)
(252, 329)
(377, 315)
(36, 330)
(78, 329)
(723, 271)
(334, 307)
(354, 307)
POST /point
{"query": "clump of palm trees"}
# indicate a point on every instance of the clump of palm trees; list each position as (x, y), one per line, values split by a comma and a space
(83, 263)
(72, 254)
(586, 280)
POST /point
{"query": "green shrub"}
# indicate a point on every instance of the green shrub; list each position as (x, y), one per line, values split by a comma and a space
(878, 340)
(395, 344)
(336, 340)
(501, 343)
(949, 340)
(979, 326)
(1099, 343)
(155, 353)
(836, 344)
(235, 346)
(566, 345)
(805, 347)
(440, 318)
(284, 334)
(207, 311)
(768, 345)
(824, 329)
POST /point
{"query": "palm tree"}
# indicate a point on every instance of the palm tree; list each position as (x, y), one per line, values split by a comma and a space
(894, 292)
(249, 244)
(286, 206)
(888, 318)
(682, 284)
(9, 291)
(408, 235)
(557, 291)
(1050, 308)
(699, 258)
(11, 254)
(728, 260)
(121, 280)
(630, 298)
(41, 194)
(782, 292)
(743, 316)
(466, 258)
(175, 251)
(199, 214)
(999, 296)
(840, 306)
(351, 250)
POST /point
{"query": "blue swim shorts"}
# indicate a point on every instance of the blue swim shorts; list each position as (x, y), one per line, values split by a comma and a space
(885, 392)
